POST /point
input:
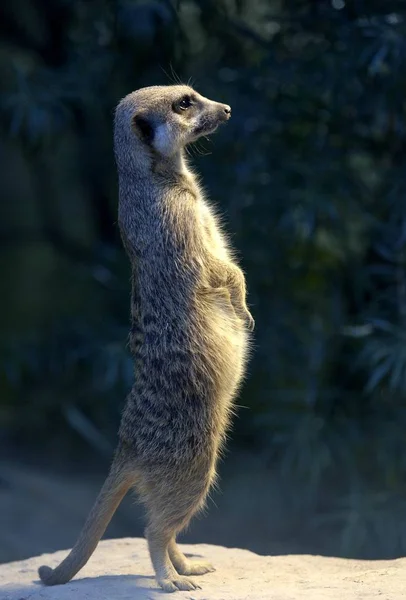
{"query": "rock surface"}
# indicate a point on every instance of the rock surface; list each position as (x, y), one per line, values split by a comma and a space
(121, 570)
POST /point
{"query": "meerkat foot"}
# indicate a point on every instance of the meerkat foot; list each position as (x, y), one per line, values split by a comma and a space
(166, 573)
(194, 567)
(182, 584)
(183, 565)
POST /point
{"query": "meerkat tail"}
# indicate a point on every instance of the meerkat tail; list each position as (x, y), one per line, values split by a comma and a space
(113, 491)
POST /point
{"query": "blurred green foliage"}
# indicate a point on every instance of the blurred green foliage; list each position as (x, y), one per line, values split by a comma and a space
(310, 176)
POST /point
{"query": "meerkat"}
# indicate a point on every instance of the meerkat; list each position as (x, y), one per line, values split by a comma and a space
(189, 331)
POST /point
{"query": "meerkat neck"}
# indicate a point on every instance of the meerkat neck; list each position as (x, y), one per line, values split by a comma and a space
(172, 166)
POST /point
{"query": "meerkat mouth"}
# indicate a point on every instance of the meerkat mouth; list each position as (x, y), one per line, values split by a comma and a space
(207, 127)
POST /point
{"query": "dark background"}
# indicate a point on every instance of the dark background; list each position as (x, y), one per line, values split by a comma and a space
(310, 177)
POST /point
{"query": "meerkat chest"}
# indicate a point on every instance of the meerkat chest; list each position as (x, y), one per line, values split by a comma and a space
(215, 239)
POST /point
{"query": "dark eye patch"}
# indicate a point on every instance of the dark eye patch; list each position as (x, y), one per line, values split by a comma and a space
(183, 104)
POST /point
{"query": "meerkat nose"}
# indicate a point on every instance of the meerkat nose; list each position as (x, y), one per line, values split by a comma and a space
(227, 109)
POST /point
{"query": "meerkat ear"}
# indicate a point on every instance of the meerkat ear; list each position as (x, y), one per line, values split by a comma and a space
(143, 127)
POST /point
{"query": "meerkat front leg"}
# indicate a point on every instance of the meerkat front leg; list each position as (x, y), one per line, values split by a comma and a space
(183, 565)
(235, 283)
(228, 280)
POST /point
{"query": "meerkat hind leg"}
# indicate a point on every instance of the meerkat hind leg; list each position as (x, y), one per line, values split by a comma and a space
(166, 574)
(184, 565)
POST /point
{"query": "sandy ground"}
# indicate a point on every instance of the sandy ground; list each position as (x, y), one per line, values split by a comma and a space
(121, 570)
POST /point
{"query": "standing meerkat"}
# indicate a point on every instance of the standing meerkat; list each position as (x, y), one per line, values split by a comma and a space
(189, 334)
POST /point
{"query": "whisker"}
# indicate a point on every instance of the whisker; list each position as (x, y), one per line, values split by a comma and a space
(175, 76)
(166, 73)
(191, 82)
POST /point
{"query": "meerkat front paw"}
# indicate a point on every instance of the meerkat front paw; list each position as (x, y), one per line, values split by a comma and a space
(249, 321)
(192, 567)
(182, 584)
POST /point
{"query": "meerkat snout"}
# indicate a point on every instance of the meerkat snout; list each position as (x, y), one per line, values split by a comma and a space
(227, 110)
(224, 112)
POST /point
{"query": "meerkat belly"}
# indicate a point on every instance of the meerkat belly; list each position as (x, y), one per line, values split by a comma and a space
(227, 344)
(225, 331)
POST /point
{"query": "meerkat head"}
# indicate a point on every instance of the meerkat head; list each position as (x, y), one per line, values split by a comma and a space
(164, 119)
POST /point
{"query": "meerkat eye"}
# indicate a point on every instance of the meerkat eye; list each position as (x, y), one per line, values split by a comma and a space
(185, 103)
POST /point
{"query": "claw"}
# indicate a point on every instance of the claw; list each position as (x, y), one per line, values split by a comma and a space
(182, 583)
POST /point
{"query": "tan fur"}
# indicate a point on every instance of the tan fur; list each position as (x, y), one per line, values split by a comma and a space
(189, 333)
